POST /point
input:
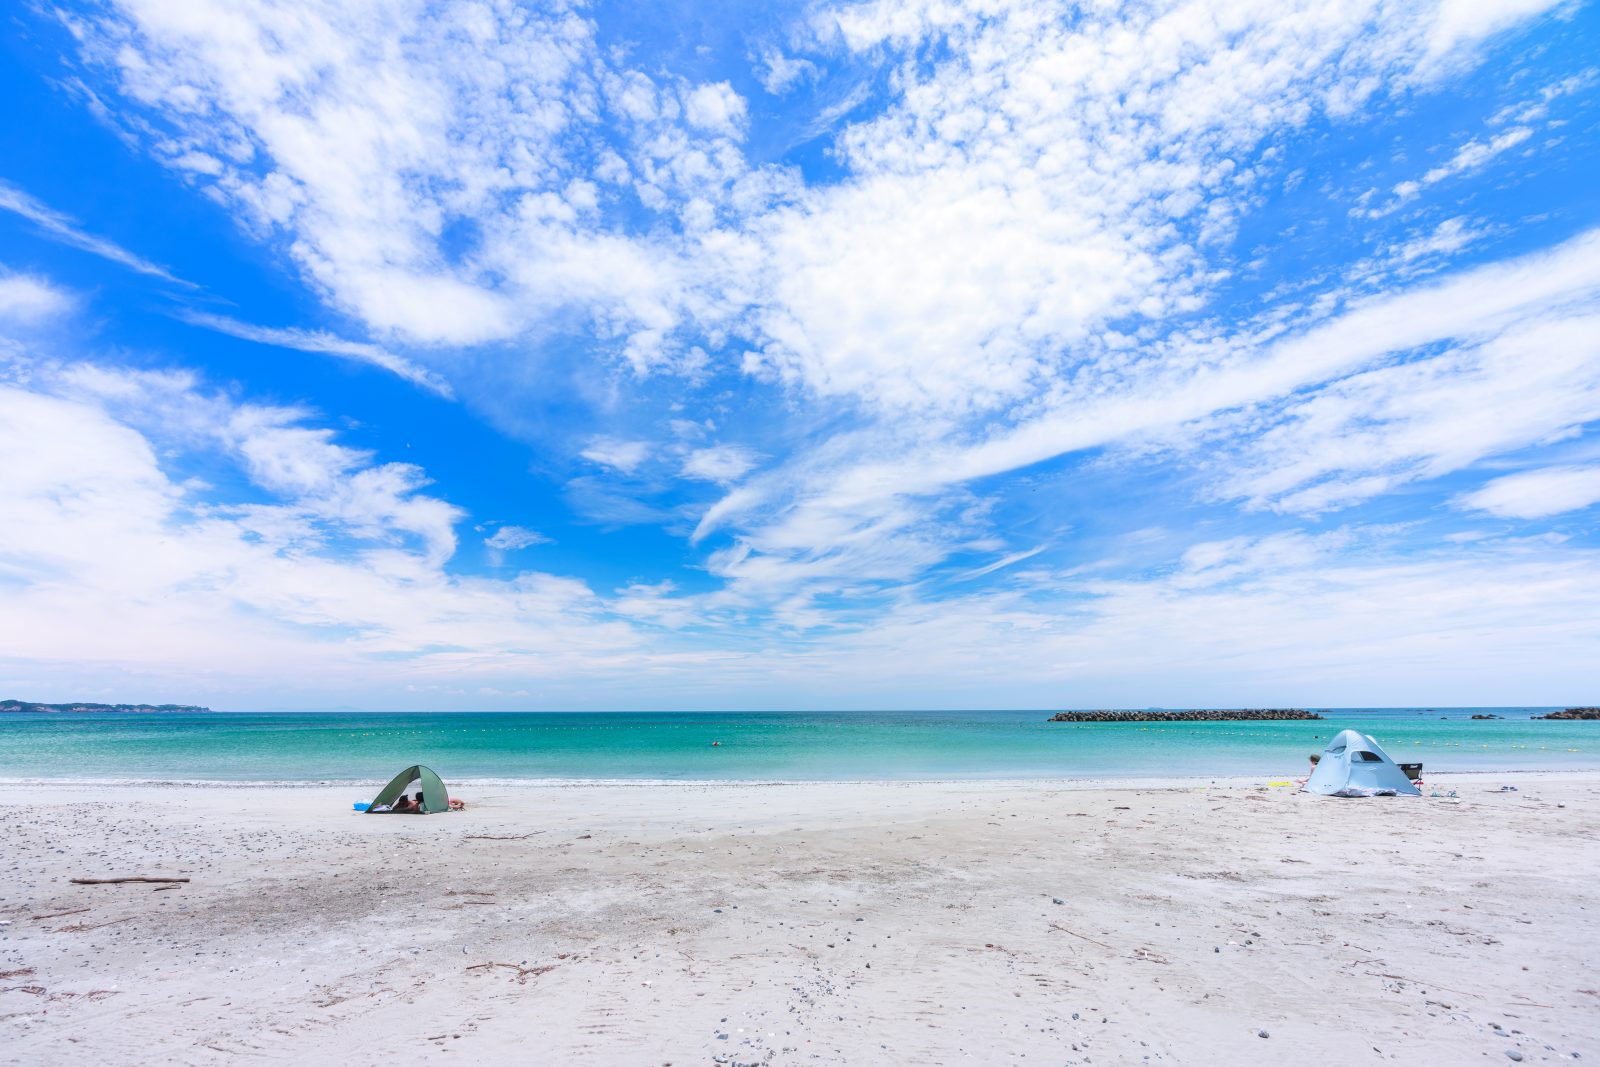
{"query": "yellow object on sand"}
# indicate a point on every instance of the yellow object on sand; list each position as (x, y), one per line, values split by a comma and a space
(1280, 783)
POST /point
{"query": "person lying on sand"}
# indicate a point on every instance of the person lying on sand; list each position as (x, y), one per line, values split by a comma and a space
(457, 805)
(403, 806)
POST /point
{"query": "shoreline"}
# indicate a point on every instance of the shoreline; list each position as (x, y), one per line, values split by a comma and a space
(1074, 782)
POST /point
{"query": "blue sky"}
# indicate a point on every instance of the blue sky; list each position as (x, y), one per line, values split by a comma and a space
(884, 354)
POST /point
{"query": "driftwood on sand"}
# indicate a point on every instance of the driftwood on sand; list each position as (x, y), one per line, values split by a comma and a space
(523, 973)
(114, 881)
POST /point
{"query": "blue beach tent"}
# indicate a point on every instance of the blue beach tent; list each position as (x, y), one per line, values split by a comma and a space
(1353, 765)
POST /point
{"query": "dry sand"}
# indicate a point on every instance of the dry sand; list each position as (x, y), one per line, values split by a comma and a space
(856, 923)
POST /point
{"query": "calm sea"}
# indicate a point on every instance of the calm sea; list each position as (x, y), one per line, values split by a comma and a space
(766, 746)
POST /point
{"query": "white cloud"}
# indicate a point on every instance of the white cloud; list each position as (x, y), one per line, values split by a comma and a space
(780, 73)
(324, 492)
(512, 538)
(1346, 619)
(361, 135)
(720, 463)
(449, 174)
(1054, 170)
(1041, 181)
(1305, 421)
(1340, 620)
(717, 108)
(331, 584)
(1424, 250)
(1000, 564)
(1447, 238)
(624, 456)
(1464, 22)
(27, 299)
(1369, 433)
(1186, 383)
(1473, 155)
(329, 574)
(1537, 494)
(326, 343)
(65, 229)
(1046, 176)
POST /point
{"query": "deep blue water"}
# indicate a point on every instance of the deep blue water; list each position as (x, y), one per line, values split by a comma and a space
(817, 746)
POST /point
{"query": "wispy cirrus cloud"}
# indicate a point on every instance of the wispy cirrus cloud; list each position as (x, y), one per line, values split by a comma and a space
(1467, 158)
(1255, 618)
(1324, 416)
(65, 229)
(325, 343)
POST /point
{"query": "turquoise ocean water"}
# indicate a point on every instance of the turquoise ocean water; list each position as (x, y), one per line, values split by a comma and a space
(802, 746)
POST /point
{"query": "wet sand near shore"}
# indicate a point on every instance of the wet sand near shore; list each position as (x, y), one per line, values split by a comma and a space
(917, 923)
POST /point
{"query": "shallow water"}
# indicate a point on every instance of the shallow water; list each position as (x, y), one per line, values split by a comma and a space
(805, 746)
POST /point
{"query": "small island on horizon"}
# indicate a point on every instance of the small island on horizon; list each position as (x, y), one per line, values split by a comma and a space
(88, 706)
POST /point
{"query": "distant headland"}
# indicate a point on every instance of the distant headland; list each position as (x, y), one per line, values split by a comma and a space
(1233, 715)
(84, 706)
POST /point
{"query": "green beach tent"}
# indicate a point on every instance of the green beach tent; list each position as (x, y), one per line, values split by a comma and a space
(434, 797)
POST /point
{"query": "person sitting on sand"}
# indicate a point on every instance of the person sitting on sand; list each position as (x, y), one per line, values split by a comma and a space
(417, 805)
(403, 806)
(1316, 758)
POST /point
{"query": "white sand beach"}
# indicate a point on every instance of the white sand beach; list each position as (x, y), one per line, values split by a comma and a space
(929, 923)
